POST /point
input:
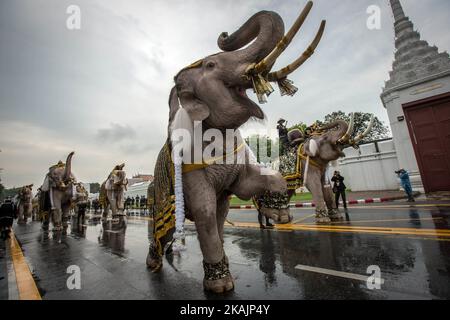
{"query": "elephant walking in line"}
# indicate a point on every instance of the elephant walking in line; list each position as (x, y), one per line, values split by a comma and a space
(212, 92)
(57, 193)
(324, 145)
(112, 192)
(24, 203)
(81, 203)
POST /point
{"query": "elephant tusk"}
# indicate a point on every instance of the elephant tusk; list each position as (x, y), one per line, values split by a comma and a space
(346, 137)
(366, 132)
(283, 73)
(268, 61)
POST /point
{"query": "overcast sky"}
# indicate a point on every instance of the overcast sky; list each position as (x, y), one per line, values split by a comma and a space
(102, 91)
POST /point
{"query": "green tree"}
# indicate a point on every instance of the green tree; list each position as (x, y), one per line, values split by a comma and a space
(11, 192)
(2, 190)
(379, 129)
(94, 187)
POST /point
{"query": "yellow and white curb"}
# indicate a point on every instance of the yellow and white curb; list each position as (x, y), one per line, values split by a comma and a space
(20, 279)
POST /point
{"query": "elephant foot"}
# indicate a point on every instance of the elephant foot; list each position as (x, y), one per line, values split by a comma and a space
(322, 217)
(218, 278)
(335, 215)
(154, 261)
(219, 286)
(57, 229)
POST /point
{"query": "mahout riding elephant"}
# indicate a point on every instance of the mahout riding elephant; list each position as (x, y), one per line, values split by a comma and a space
(306, 163)
(212, 92)
(24, 203)
(57, 194)
(112, 192)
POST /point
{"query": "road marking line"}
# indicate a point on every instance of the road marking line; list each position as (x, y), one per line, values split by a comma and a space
(25, 282)
(400, 206)
(367, 230)
(374, 221)
(335, 273)
(447, 231)
(303, 219)
(404, 206)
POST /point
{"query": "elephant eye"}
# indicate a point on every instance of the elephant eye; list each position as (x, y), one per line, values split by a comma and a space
(210, 65)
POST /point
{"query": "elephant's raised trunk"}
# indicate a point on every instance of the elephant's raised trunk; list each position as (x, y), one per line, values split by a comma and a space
(68, 170)
(266, 27)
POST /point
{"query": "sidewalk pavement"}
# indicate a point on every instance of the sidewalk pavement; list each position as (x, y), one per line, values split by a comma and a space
(353, 198)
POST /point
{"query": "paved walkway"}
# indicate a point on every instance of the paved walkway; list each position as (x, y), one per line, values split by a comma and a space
(409, 243)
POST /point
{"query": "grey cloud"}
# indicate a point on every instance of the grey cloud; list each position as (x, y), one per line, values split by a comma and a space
(116, 133)
(119, 68)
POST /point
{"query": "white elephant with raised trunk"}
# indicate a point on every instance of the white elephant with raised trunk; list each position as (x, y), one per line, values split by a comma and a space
(57, 193)
(24, 203)
(112, 192)
(210, 96)
(305, 164)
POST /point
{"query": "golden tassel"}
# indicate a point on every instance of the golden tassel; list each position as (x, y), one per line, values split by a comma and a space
(286, 87)
(261, 87)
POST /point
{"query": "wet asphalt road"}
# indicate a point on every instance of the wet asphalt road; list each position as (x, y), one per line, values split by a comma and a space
(111, 257)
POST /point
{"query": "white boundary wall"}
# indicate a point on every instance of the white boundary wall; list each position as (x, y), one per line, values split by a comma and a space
(370, 169)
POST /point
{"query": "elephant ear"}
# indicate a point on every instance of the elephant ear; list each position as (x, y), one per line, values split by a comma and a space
(311, 148)
(197, 110)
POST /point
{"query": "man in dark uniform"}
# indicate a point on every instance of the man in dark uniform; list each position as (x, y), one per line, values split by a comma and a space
(7, 215)
(339, 188)
(283, 135)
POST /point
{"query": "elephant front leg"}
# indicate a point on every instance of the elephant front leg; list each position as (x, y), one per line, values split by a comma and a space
(57, 218)
(21, 218)
(113, 204)
(201, 202)
(120, 204)
(333, 212)
(65, 218)
(314, 185)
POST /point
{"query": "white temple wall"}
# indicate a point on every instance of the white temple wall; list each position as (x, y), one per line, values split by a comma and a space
(369, 170)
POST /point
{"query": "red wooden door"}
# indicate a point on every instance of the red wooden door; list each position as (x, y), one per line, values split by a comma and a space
(429, 127)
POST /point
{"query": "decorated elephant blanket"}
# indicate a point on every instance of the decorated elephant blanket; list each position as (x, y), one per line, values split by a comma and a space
(164, 202)
(292, 171)
(291, 167)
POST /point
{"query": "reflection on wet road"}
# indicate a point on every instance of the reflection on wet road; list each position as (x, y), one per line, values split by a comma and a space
(411, 246)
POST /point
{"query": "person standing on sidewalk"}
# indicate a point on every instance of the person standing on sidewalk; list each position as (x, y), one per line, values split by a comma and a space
(8, 213)
(339, 189)
(406, 183)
